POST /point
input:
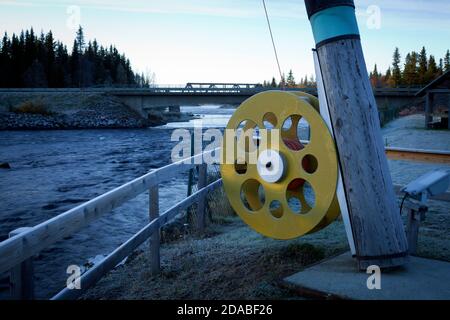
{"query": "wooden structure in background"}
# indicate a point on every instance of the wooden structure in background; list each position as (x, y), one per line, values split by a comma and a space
(438, 87)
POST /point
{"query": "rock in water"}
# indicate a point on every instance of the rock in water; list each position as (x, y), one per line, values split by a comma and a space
(4, 165)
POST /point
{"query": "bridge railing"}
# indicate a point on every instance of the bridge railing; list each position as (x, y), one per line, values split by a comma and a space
(16, 253)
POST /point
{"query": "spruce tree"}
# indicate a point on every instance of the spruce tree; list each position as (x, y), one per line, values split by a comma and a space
(410, 75)
(290, 79)
(50, 61)
(423, 67)
(396, 71)
(273, 84)
(282, 83)
(375, 77)
(447, 61)
(433, 70)
(80, 40)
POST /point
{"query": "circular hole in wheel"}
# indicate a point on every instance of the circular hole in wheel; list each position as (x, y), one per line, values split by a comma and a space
(296, 184)
(300, 196)
(252, 195)
(310, 163)
(309, 198)
(295, 132)
(276, 209)
(270, 121)
(295, 204)
(240, 167)
(247, 136)
(293, 195)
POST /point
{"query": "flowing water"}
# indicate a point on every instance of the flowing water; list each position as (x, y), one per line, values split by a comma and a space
(53, 171)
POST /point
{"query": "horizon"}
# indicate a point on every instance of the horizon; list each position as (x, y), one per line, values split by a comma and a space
(235, 44)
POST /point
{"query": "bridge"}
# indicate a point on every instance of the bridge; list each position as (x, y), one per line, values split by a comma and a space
(144, 100)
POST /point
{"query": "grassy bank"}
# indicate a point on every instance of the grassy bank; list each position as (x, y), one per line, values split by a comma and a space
(231, 261)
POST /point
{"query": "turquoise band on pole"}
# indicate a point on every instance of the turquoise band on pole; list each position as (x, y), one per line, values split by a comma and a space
(335, 22)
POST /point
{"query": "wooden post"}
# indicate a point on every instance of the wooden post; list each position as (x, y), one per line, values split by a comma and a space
(22, 276)
(191, 171)
(201, 208)
(377, 227)
(155, 241)
(416, 214)
(428, 110)
(448, 110)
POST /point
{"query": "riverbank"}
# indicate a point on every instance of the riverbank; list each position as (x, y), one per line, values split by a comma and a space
(33, 111)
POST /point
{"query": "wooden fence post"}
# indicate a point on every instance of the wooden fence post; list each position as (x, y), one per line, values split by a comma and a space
(201, 208)
(21, 282)
(377, 227)
(416, 214)
(155, 240)
(428, 110)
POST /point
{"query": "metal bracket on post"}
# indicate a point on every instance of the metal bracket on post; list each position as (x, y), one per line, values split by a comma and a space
(325, 113)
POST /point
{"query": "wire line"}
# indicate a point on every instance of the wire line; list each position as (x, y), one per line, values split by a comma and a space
(273, 43)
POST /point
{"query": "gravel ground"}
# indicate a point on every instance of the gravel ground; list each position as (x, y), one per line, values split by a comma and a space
(76, 111)
(409, 132)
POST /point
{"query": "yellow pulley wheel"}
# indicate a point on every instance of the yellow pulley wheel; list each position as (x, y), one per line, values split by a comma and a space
(280, 187)
(334, 211)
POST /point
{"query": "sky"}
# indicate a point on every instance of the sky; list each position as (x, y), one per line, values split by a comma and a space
(228, 40)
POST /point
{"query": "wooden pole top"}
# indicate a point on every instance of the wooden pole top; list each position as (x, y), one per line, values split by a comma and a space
(314, 6)
(332, 20)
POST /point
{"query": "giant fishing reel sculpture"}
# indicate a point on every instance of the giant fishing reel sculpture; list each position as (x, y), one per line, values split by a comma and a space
(285, 188)
(281, 186)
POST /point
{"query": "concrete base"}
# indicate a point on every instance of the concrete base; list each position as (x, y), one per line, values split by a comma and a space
(421, 279)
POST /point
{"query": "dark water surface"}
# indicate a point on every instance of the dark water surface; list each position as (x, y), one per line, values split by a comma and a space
(54, 171)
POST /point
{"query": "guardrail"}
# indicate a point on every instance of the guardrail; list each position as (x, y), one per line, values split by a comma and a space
(16, 253)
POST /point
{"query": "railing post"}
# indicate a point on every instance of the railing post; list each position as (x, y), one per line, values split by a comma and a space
(416, 215)
(191, 171)
(201, 208)
(155, 266)
(21, 281)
